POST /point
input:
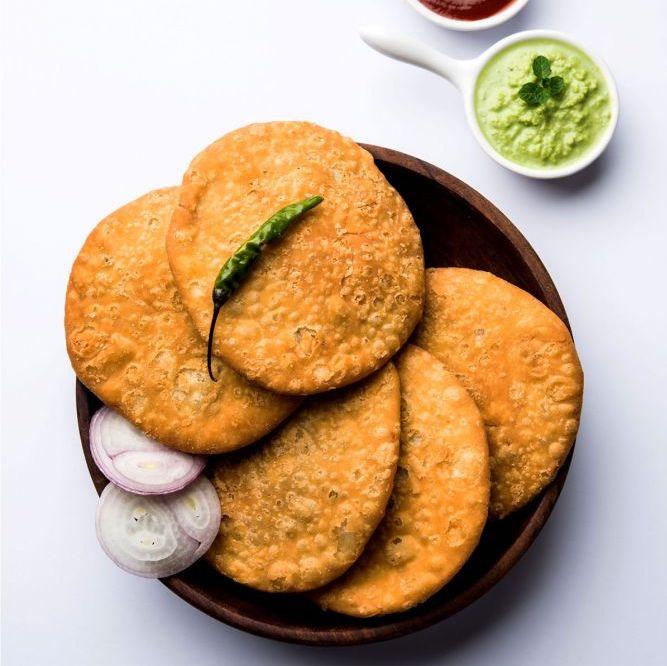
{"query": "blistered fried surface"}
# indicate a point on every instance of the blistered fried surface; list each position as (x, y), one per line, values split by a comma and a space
(132, 343)
(336, 296)
(518, 361)
(440, 500)
(298, 510)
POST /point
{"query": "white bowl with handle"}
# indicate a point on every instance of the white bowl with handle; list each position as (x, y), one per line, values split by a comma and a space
(463, 75)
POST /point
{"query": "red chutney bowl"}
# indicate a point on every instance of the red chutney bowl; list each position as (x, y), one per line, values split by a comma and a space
(468, 14)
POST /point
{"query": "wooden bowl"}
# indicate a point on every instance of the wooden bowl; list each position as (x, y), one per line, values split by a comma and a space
(459, 227)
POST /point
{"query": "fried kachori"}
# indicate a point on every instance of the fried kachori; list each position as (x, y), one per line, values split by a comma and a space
(518, 361)
(299, 507)
(342, 290)
(132, 343)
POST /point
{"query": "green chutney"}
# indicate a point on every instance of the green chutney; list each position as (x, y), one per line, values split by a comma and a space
(551, 134)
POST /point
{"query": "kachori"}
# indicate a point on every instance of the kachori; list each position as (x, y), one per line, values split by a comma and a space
(132, 343)
(518, 361)
(342, 290)
(298, 509)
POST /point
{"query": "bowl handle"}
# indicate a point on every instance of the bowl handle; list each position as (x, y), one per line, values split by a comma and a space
(418, 53)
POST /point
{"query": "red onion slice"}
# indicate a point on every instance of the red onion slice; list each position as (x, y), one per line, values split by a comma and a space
(136, 462)
(156, 537)
(197, 509)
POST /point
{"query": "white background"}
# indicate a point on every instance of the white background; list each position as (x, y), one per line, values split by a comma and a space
(106, 100)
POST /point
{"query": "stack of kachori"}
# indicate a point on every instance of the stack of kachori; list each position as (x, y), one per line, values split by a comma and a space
(350, 465)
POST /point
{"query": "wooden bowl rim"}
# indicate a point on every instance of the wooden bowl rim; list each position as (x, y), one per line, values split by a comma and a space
(396, 625)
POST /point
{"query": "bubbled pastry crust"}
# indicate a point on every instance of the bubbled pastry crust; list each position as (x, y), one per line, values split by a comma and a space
(298, 509)
(132, 343)
(440, 500)
(518, 361)
(337, 295)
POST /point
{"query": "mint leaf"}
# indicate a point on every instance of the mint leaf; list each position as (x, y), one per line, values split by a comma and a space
(544, 96)
(541, 67)
(538, 92)
(556, 85)
(533, 94)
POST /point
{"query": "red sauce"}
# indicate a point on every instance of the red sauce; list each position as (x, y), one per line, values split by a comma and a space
(466, 10)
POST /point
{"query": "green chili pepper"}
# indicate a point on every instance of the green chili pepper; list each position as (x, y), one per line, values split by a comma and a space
(235, 269)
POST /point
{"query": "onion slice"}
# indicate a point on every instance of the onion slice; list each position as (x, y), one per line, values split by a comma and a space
(156, 537)
(135, 462)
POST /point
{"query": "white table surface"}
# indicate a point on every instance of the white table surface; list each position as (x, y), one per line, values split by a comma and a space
(105, 100)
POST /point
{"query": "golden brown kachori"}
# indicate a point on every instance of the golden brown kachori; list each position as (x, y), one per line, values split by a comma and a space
(132, 343)
(342, 290)
(518, 361)
(299, 507)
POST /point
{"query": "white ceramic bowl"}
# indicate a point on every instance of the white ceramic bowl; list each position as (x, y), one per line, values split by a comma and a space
(463, 74)
(456, 24)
